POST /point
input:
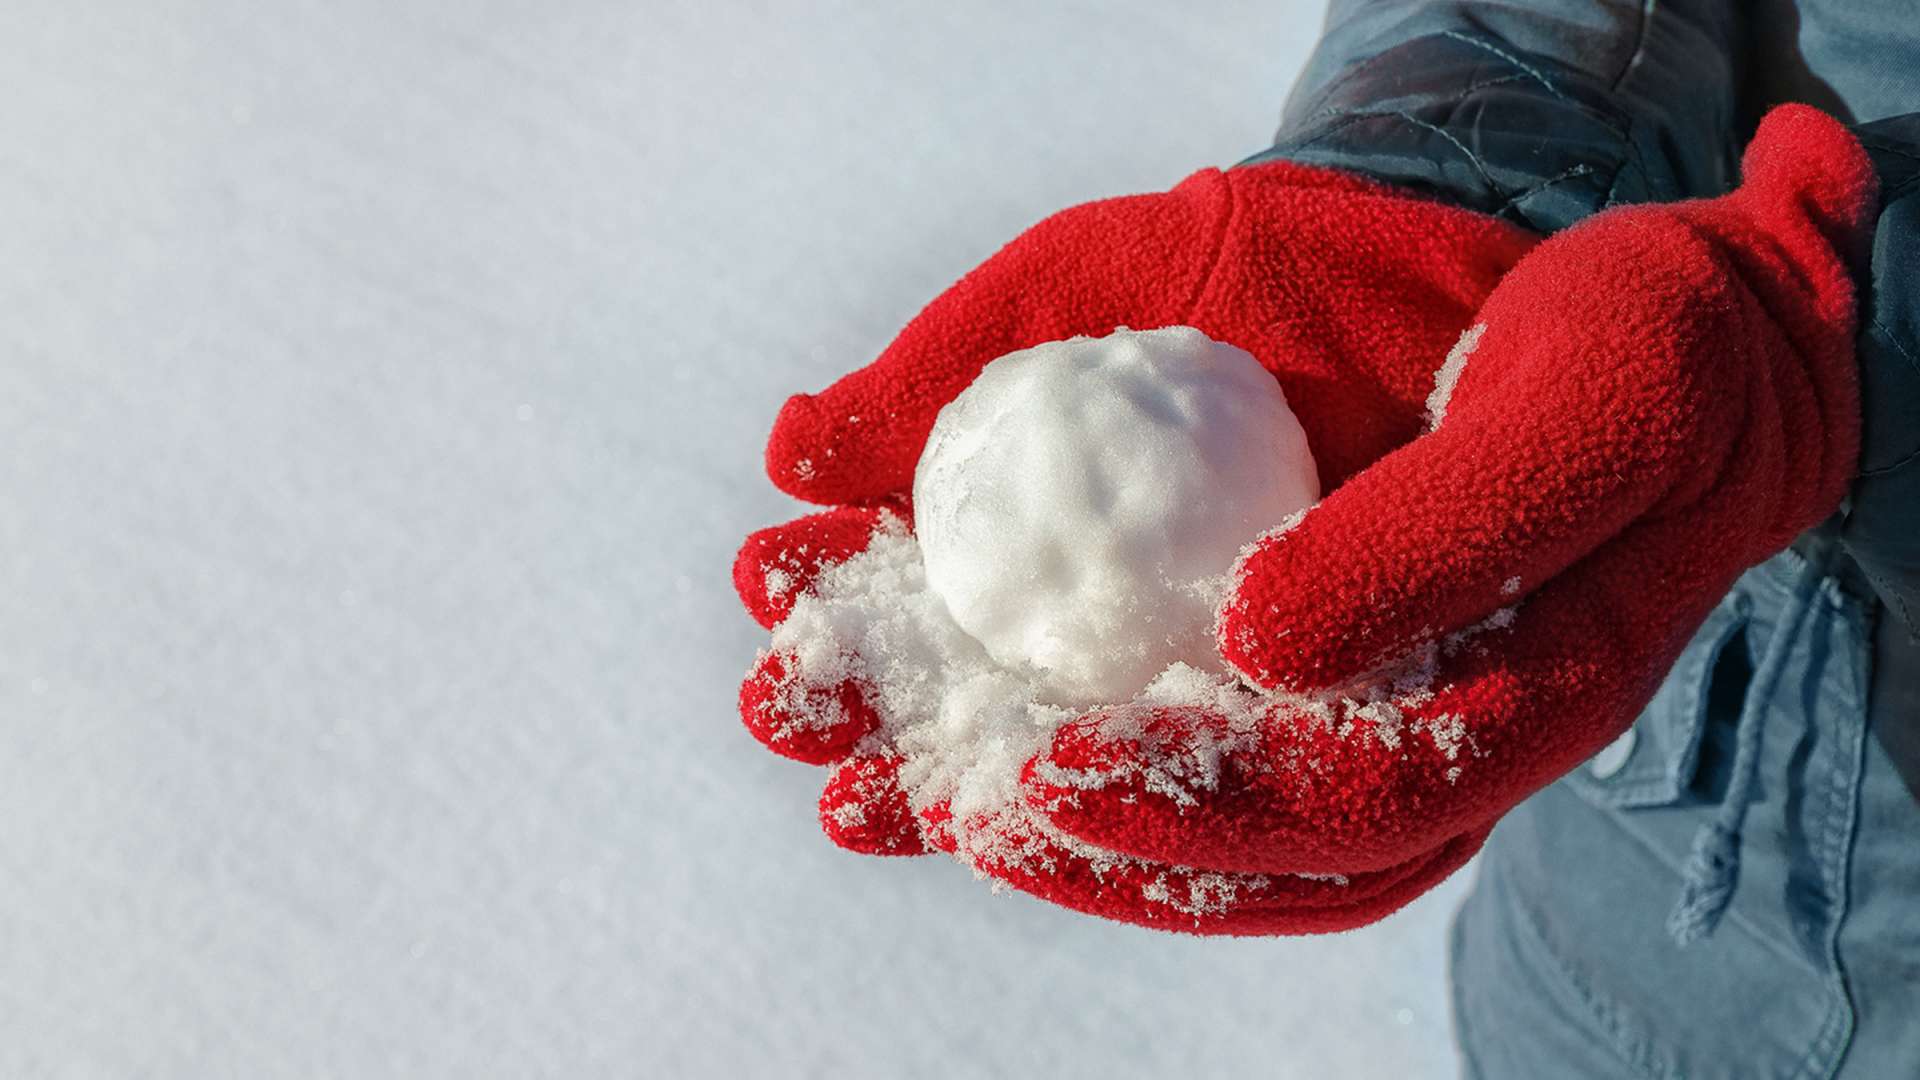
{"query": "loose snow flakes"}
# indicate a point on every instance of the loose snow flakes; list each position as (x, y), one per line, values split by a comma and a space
(849, 814)
(1448, 732)
(964, 727)
(1200, 894)
(1337, 879)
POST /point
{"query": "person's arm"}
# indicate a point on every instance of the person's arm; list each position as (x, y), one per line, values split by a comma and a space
(1539, 113)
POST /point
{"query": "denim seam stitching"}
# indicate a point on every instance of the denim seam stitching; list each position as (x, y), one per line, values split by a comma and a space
(1824, 819)
(1835, 814)
(1633, 1049)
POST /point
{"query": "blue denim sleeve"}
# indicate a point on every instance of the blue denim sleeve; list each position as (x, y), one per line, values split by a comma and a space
(1540, 113)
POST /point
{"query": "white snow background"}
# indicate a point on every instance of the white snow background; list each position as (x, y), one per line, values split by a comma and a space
(382, 389)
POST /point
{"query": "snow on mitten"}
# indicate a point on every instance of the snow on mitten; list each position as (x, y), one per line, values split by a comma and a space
(862, 807)
(1648, 404)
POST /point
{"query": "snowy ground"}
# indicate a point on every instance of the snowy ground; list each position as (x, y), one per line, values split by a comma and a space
(381, 403)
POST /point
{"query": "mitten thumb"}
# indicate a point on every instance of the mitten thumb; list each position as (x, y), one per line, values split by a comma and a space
(1805, 171)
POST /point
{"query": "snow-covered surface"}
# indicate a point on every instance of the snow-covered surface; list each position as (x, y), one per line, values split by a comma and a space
(1081, 504)
(381, 403)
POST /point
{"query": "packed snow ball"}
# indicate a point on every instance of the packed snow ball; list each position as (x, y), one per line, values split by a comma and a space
(1079, 505)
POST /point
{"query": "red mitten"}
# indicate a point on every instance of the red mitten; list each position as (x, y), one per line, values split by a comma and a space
(1650, 403)
(1602, 427)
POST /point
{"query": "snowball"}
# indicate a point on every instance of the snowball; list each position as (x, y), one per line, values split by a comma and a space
(1079, 506)
(1091, 491)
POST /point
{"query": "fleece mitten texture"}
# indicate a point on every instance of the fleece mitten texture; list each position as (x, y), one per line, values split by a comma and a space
(1512, 552)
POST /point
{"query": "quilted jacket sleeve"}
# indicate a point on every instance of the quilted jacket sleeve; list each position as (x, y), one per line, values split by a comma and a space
(1541, 112)
(1881, 523)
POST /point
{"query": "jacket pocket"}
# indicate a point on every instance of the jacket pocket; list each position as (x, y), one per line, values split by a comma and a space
(1570, 936)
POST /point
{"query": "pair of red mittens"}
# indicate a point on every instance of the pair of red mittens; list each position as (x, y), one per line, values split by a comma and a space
(1624, 418)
